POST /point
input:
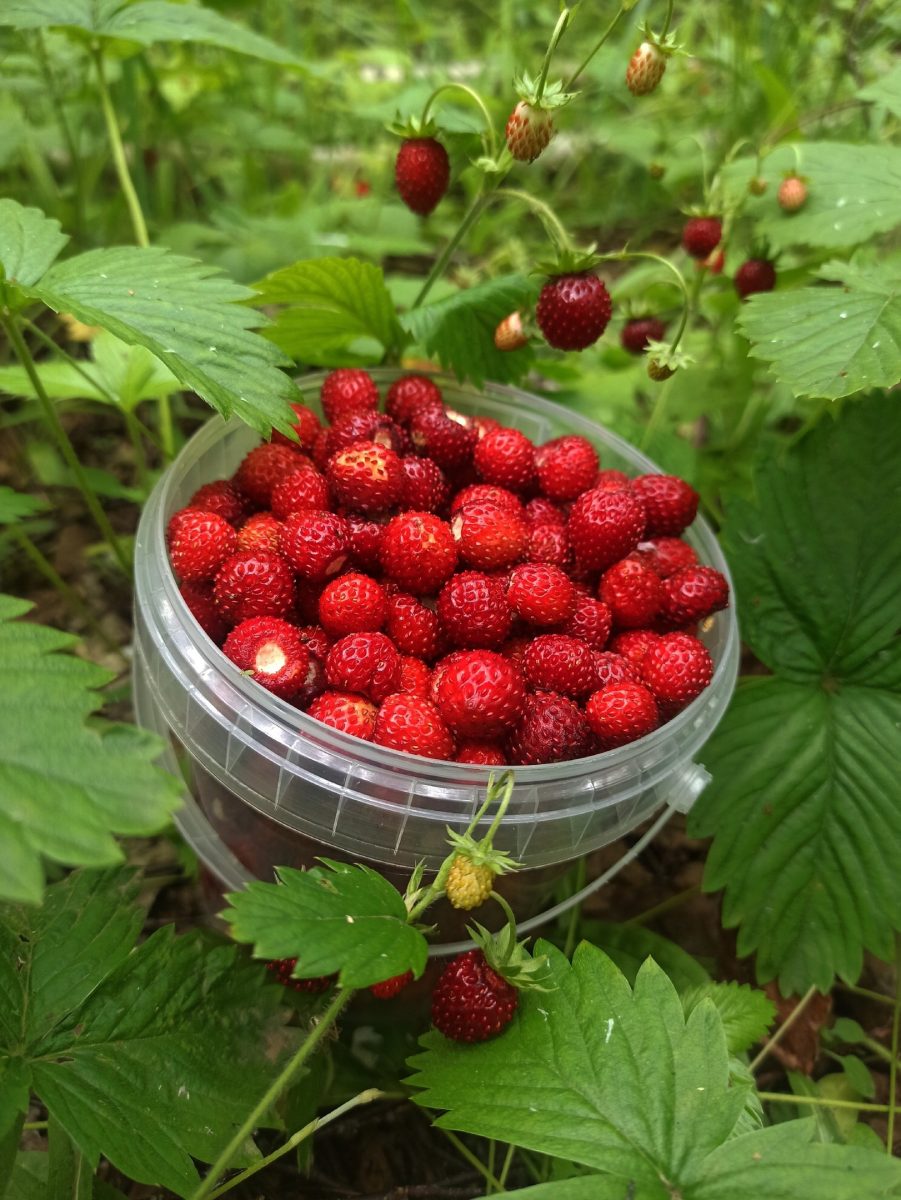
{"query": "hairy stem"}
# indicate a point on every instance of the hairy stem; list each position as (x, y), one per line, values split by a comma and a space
(559, 29)
(120, 161)
(667, 21)
(470, 217)
(476, 98)
(782, 1030)
(824, 1102)
(549, 218)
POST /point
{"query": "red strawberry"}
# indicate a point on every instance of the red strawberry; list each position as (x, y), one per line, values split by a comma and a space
(541, 594)
(424, 488)
(489, 537)
(418, 552)
(637, 332)
(542, 511)
(621, 713)
(253, 584)
(506, 457)
(573, 310)
(366, 663)
(348, 390)
(701, 235)
(349, 713)
(272, 652)
(604, 527)
(315, 639)
(412, 627)
(415, 677)
(303, 488)
(667, 555)
(262, 468)
(529, 130)
(645, 69)
(471, 1002)
(307, 427)
(202, 607)
(200, 543)
(259, 532)
(319, 453)
(676, 668)
(389, 988)
(473, 610)
(549, 544)
(479, 693)
(792, 194)
(670, 503)
(365, 541)
(482, 425)
(612, 480)
(222, 498)
(437, 436)
(353, 603)
(366, 427)
(315, 543)
(634, 644)
(755, 275)
(632, 592)
(552, 729)
(692, 594)
(477, 492)
(510, 334)
(555, 662)
(613, 668)
(482, 754)
(412, 394)
(366, 477)
(590, 621)
(422, 173)
(567, 467)
(281, 968)
(414, 725)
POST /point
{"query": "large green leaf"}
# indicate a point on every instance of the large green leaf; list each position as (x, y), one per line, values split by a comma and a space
(831, 341)
(885, 91)
(459, 329)
(65, 787)
(336, 919)
(337, 310)
(150, 1056)
(745, 1012)
(630, 945)
(29, 242)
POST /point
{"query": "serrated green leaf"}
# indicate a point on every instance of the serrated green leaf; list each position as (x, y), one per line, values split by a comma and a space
(149, 1058)
(17, 506)
(29, 242)
(591, 1187)
(337, 919)
(831, 341)
(100, 779)
(188, 315)
(459, 329)
(885, 91)
(630, 945)
(331, 304)
(745, 1012)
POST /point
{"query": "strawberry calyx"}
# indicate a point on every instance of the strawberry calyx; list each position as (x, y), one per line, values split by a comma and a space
(481, 852)
(665, 359)
(412, 127)
(551, 97)
(509, 958)
(570, 260)
(663, 43)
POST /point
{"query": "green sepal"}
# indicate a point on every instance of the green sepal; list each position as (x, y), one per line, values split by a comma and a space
(667, 45)
(482, 854)
(552, 97)
(664, 355)
(510, 959)
(412, 127)
(569, 261)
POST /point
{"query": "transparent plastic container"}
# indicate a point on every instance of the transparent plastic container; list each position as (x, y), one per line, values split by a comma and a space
(270, 786)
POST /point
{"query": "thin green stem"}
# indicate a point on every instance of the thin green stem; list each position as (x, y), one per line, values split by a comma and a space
(137, 445)
(35, 1126)
(59, 109)
(272, 1093)
(476, 98)
(64, 444)
(507, 1164)
(559, 29)
(166, 429)
(893, 1066)
(302, 1134)
(664, 906)
(603, 38)
(54, 347)
(469, 219)
(866, 993)
(574, 915)
(549, 218)
(823, 1102)
(474, 1161)
(782, 1030)
(668, 19)
(120, 161)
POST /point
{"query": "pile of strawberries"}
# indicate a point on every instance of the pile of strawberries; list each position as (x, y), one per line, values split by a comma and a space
(437, 584)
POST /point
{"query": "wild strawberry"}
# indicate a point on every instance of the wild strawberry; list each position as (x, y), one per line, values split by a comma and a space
(757, 185)
(482, 754)
(573, 310)
(476, 493)
(200, 543)
(473, 610)
(259, 532)
(755, 275)
(418, 552)
(541, 511)
(676, 668)
(692, 594)
(634, 644)
(282, 969)
(555, 662)
(529, 130)
(261, 469)
(307, 427)
(253, 584)
(315, 639)
(551, 729)
(222, 498)
(479, 693)
(422, 173)
(621, 713)
(509, 334)
(645, 69)
(446, 441)
(637, 332)
(632, 592)
(412, 394)
(614, 668)
(345, 711)
(366, 663)
(389, 988)
(670, 503)
(604, 527)
(590, 621)
(366, 426)
(353, 603)
(612, 480)
(792, 193)
(541, 594)
(366, 477)
(471, 1002)
(412, 627)
(506, 457)
(489, 537)
(701, 236)
(414, 725)
(415, 677)
(659, 371)
(549, 544)
(714, 262)
(566, 466)
(424, 488)
(348, 390)
(304, 488)
(272, 652)
(481, 425)
(202, 607)
(468, 884)
(667, 555)
(315, 543)
(365, 541)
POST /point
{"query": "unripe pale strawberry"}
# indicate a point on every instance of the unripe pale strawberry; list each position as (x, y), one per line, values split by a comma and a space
(645, 69)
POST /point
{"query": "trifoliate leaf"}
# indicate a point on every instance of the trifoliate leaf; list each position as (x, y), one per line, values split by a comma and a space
(337, 311)
(745, 1012)
(459, 330)
(336, 919)
(885, 91)
(18, 506)
(99, 779)
(29, 242)
(831, 341)
(146, 1056)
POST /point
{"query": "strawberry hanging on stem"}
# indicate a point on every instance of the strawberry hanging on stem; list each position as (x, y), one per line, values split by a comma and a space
(530, 126)
(422, 166)
(476, 864)
(648, 63)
